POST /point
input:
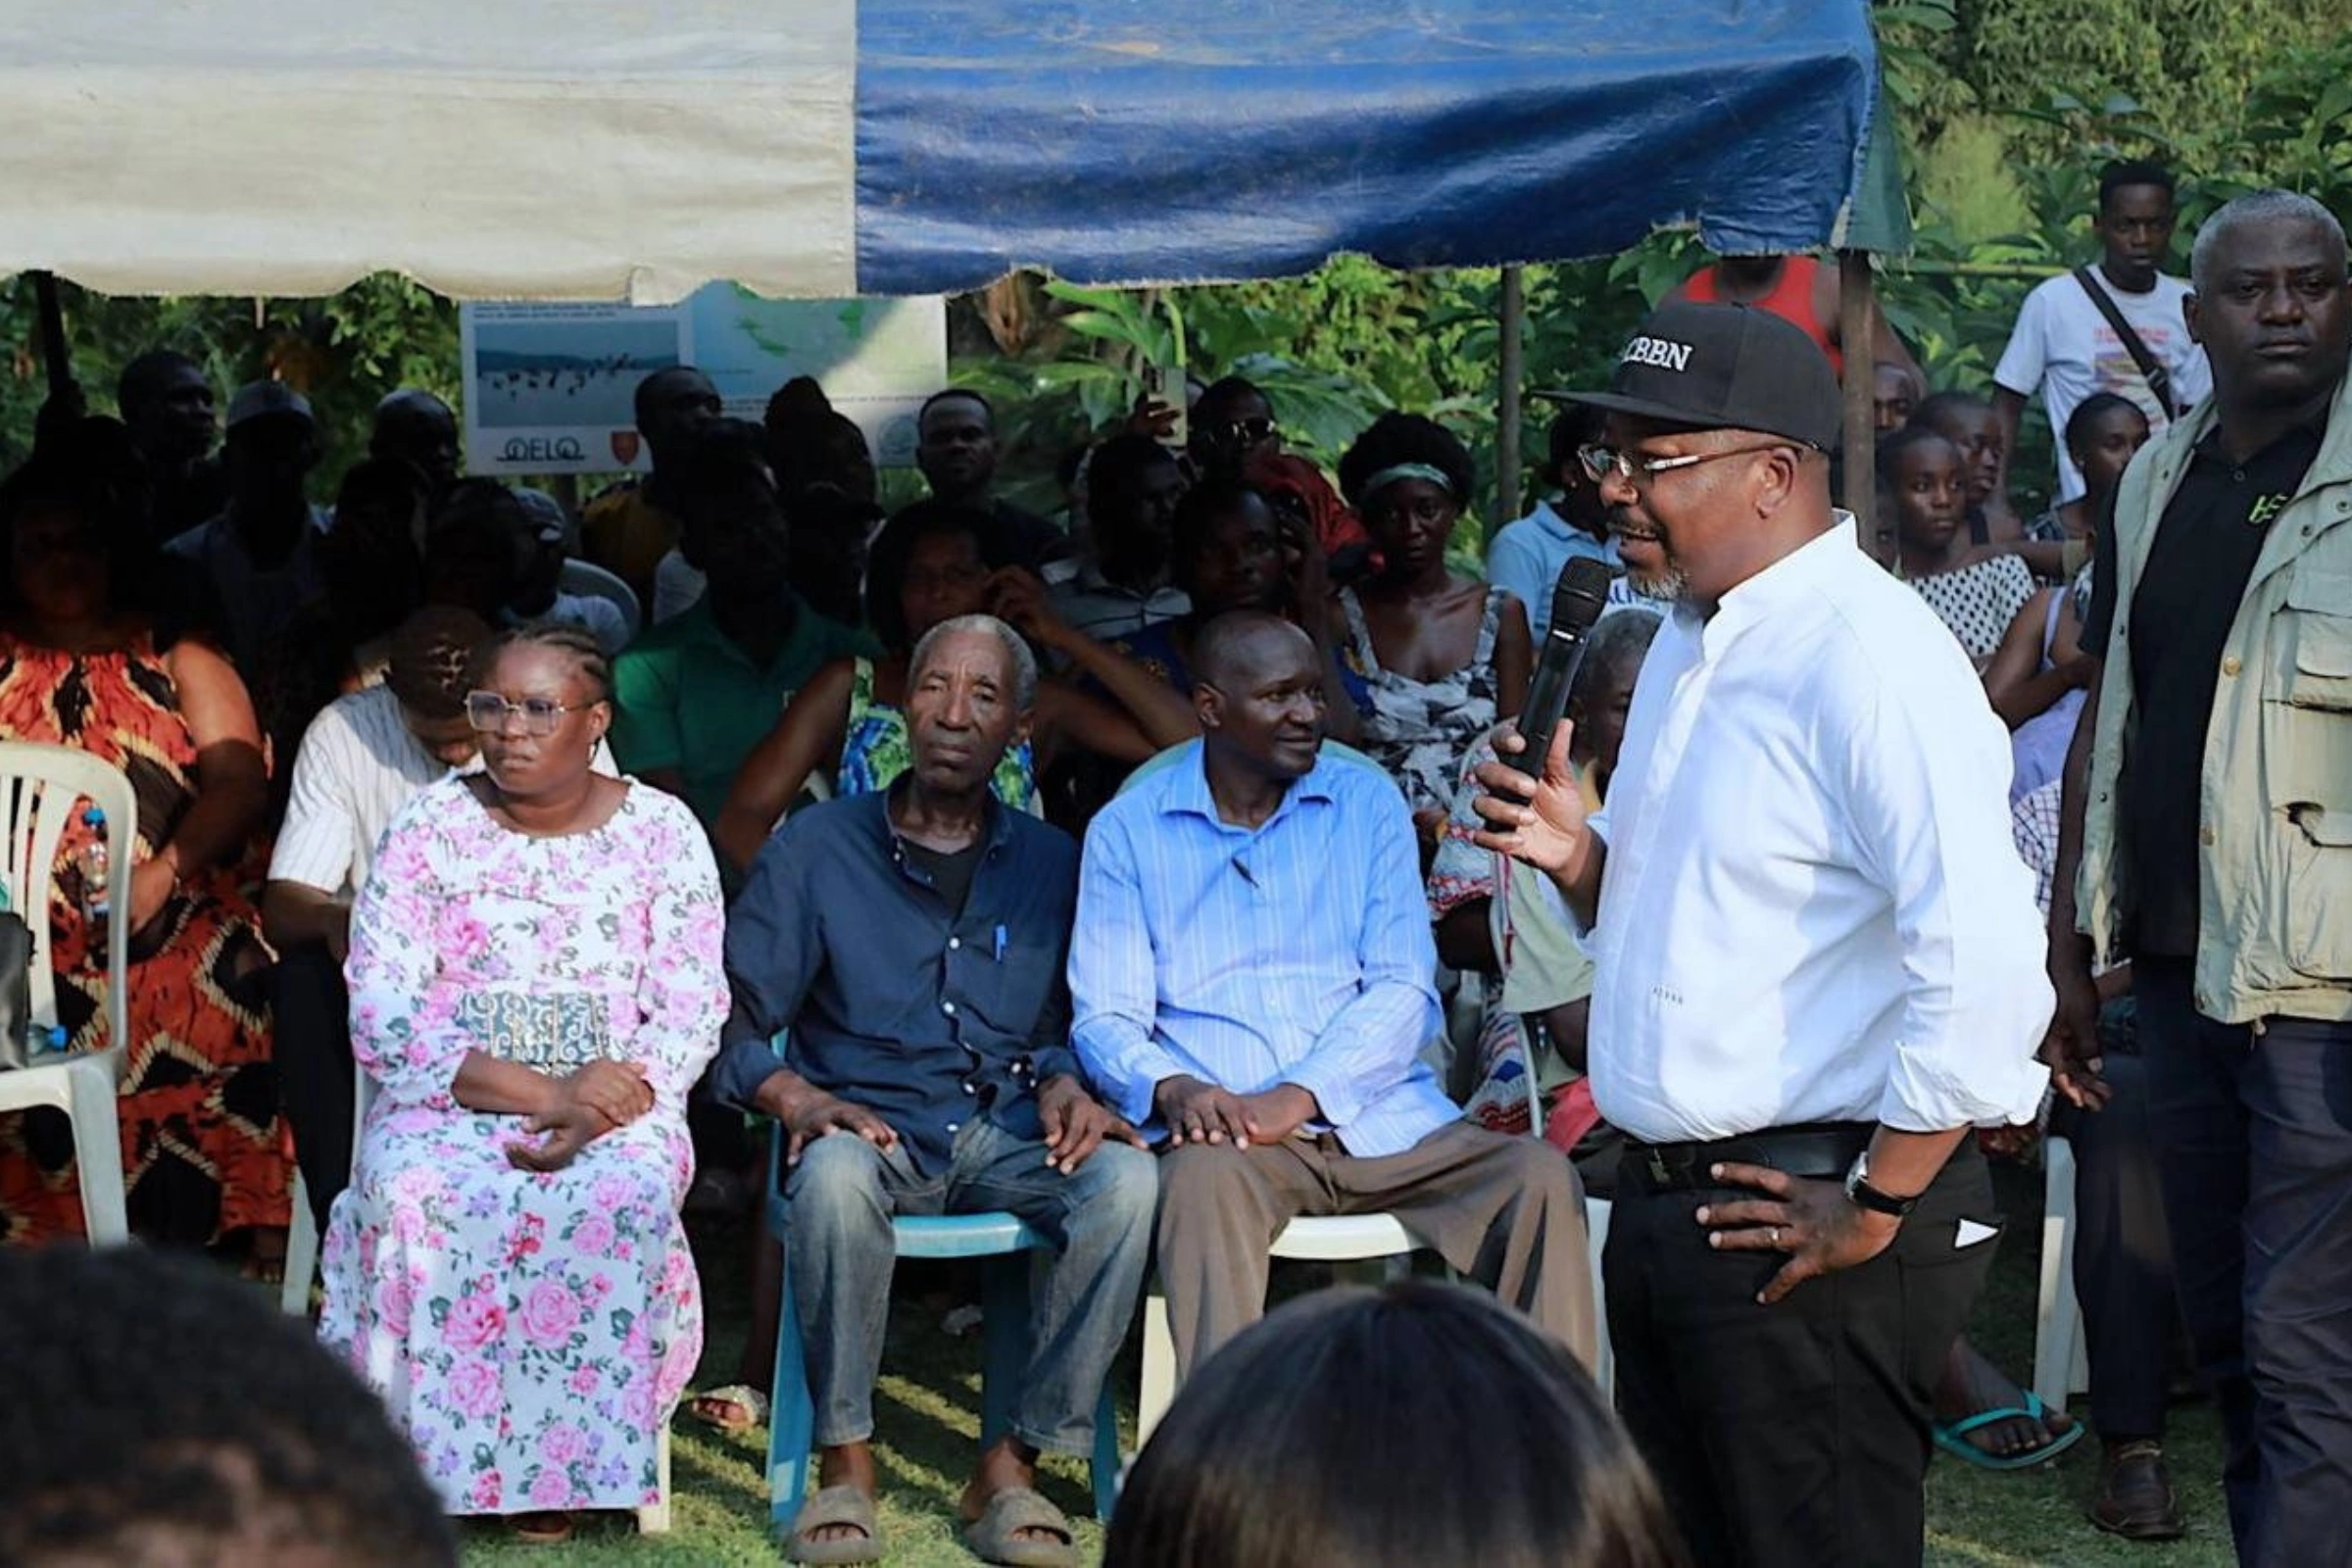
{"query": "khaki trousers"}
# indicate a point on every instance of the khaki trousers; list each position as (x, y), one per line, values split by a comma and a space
(1508, 1213)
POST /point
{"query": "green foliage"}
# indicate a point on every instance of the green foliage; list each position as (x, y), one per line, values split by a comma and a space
(342, 352)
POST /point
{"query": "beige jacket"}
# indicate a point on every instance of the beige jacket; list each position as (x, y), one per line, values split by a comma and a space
(2275, 903)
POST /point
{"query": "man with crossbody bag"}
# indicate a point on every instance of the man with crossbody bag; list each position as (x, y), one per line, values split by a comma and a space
(2113, 327)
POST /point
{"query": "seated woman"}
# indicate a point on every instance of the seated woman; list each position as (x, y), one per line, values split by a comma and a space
(1444, 656)
(931, 562)
(1229, 549)
(1977, 598)
(535, 984)
(2040, 673)
(86, 662)
(2102, 433)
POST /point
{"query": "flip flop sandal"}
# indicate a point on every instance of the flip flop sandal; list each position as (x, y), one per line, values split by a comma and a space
(996, 1536)
(1953, 1439)
(742, 1395)
(835, 1507)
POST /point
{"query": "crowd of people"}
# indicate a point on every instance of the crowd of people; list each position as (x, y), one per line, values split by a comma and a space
(1166, 871)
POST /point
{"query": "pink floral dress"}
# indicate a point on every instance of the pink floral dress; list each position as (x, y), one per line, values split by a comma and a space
(531, 1332)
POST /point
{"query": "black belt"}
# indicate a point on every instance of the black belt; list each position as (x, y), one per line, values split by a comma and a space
(1817, 1149)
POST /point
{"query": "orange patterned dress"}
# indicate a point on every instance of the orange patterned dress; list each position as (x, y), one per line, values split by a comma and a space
(202, 1149)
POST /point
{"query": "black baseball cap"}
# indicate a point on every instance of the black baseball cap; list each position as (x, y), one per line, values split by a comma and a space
(1724, 368)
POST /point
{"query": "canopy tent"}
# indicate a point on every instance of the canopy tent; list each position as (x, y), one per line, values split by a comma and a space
(608, 149)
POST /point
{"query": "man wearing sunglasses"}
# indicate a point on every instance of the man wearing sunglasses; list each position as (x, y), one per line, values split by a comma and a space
(1232, 425)
(1811, 801)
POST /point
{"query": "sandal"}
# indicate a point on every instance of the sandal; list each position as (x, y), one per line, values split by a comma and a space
(541, 1529)
(834, 1507)
(1952, 1438)
(996, 1536)
(746, 1407)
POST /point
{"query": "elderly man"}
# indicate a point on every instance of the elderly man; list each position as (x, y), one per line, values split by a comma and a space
(2213, 833)
(1818, 963)
(909, 948)
(1251, 974)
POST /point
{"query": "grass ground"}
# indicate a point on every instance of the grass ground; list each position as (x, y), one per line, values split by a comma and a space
(928, 1407)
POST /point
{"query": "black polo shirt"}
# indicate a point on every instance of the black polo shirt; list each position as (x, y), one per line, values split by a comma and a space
(2196, 576)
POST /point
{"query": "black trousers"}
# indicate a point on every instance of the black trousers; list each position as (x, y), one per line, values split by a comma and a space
(1797, 1434)
(311, 1043)
(2253, 1134)
(2123, 1256)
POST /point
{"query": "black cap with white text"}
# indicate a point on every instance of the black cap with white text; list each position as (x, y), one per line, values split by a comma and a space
(1724, 368)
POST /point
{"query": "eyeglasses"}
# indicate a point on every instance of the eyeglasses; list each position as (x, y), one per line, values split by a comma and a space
(488, 712)
(1597, 462)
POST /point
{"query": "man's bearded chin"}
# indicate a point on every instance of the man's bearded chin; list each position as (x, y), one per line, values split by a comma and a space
(1668, 584)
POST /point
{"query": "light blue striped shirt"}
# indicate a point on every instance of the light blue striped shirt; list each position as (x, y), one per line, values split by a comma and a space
(1297, 953)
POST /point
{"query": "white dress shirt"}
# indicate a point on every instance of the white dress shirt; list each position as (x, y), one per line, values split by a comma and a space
(1812, 909)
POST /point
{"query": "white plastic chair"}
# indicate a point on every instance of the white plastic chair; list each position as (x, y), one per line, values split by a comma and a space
(1357, 1239)
(590, 580)
(302, 1267)
(42, 789)
(2061, 1362)
(302, 1231)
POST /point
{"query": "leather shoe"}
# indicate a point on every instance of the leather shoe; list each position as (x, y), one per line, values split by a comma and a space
(2136, 1497)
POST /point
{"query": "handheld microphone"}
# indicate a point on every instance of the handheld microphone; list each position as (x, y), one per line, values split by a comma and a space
(1577, 601)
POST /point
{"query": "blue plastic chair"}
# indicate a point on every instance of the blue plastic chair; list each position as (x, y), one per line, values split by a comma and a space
(1005, 1243)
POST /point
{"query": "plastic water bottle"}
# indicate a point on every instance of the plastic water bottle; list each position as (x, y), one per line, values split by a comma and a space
(96, 899)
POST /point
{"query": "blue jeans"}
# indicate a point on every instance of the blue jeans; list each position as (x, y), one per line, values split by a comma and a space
(2252, 1128)
(839, 1254)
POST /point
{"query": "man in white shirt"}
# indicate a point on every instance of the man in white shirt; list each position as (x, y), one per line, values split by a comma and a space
(1818, 963)
(2064, 346)
(359, 763)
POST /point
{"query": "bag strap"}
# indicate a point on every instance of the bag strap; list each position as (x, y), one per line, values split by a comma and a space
(2151, 370)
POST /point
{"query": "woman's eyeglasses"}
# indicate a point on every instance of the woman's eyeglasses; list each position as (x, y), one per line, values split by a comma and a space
(488, 712)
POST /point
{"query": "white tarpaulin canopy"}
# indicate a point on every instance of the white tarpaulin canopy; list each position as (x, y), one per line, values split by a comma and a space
(500, 149)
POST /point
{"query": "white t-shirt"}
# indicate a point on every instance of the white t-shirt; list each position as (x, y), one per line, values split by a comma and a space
(2064, 347)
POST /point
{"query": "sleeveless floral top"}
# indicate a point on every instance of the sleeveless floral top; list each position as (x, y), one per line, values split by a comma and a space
(875, 749)
(1421, 730)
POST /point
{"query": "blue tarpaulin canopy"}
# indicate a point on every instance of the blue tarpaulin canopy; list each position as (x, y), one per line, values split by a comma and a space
(601, 149)
(1116, 142)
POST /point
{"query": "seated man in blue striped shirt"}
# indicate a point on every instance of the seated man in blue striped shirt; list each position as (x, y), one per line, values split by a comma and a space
(1251, 974)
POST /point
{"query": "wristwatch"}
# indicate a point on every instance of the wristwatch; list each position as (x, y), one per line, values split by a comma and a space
(1862, 1194)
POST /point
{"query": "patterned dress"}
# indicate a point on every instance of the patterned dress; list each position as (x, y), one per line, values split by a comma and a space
(1979, 600)
(531, 1332)
(875, 749)
(1421, 730)
(203, 1151)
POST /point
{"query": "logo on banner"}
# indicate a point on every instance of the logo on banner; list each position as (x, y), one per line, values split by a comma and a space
(624, 446)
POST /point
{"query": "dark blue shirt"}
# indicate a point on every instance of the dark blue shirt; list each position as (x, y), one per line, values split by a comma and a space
(888, 999)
